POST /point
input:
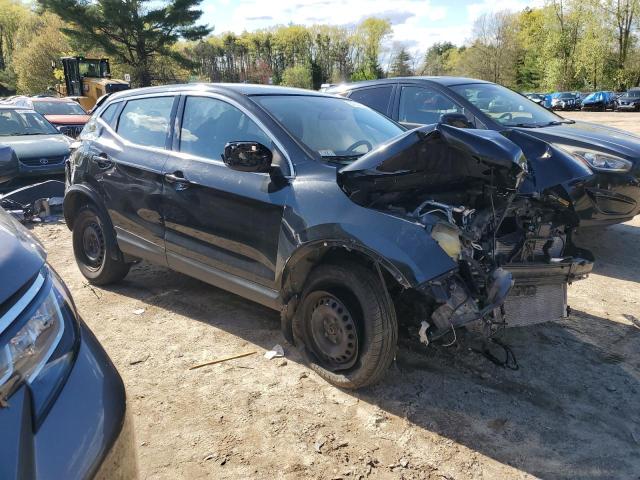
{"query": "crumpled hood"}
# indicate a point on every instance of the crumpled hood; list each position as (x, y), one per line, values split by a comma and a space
(590, 135)
(29, 146)
(21, 256)
(436, 155)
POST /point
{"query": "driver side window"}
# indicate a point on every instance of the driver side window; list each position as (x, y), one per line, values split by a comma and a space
(208, 124)
(424, 106)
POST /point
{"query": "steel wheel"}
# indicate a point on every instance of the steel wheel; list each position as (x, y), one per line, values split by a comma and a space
(332, 330)
(93, 245)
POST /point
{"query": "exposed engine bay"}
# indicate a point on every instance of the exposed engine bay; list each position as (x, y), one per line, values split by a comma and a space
(513, 250)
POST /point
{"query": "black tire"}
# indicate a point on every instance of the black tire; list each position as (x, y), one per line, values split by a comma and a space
(369, 314)
(95, 248)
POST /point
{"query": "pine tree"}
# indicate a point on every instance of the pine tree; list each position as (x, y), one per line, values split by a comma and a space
(401, 66)
(132, 31)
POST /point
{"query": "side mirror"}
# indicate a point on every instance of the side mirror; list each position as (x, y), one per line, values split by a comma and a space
(8, 164)
(458, 120)
(247, 157)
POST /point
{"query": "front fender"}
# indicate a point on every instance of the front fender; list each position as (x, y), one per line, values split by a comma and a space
(402, 247)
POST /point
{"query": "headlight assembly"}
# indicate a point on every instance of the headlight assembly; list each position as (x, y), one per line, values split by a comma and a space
(599, 161)
(37, 343)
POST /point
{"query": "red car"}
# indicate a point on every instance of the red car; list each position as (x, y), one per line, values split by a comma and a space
(65, 114)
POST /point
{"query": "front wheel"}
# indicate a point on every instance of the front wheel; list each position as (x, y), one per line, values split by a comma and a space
(95, 248)
(348, 325)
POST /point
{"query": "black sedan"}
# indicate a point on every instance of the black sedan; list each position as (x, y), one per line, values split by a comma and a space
(613, 155)
(62, 402)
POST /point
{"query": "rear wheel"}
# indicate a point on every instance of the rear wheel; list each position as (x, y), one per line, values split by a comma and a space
(348, 325)
(94, 246)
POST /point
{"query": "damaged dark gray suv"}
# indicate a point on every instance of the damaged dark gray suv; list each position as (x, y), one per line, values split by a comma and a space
(328, 212)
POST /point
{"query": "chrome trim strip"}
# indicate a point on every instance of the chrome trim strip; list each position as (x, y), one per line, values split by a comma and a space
(18, 307)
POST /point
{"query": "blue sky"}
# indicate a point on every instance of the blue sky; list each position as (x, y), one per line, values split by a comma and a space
(416, 23)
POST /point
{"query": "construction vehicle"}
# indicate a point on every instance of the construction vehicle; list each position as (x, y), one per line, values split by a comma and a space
(87, 79)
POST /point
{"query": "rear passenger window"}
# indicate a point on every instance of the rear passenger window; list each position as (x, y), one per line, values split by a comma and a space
(424, 106)
(146, 121)
(208, 124)
(109, 113)
(376, 98)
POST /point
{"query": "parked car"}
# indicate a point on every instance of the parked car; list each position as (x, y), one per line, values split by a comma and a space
(327, 211)
(535, 97)
(40, 147)
(613, 155)
(630, 101)
(62, 402)
(64, 113)
(564, 101)
(599, 101)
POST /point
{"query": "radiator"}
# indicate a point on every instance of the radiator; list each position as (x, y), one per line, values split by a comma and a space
(531, 304)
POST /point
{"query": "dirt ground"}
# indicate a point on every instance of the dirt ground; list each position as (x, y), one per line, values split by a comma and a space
(570, 411)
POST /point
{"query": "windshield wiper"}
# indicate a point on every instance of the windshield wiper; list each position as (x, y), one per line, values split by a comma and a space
(522, 125)
(342, 158)
(559, 122)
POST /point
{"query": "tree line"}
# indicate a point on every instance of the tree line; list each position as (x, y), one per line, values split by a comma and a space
(564, 45)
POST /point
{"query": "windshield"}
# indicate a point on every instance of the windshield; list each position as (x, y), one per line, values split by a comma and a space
(594, 97)
(58, 108)
(632, 94)
(16, 122)
(506, 106)
(335, 128)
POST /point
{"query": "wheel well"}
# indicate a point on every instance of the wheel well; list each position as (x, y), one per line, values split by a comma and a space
(73, 201)
(295, 276)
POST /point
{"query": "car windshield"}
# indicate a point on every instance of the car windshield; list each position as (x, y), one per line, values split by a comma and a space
(16, 122)
(632, 94)
(506, 106)
(58, 108)
(335, 128)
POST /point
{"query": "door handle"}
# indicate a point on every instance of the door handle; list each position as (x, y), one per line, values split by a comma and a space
(178, 178)
(102, 160)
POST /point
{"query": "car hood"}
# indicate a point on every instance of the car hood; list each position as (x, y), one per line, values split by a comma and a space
(590, 135)
(68, 119)
(21, 256)
(27, 146)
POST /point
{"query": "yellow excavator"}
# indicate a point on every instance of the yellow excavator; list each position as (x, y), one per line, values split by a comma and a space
(88, 79)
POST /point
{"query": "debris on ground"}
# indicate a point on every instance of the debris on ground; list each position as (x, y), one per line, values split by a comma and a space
(40, 202)
(276, 351)
(138, 311)
(225, 359)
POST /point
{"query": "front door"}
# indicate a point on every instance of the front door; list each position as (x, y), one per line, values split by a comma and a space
(217, 219)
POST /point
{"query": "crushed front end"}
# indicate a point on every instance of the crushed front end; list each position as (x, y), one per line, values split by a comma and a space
(512, 246)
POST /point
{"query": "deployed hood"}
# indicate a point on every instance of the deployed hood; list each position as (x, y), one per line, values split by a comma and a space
(437, 156)
(590, 135)
(29, 146)
(21, 256)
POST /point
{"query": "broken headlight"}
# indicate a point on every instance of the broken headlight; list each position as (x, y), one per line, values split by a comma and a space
(37, 347)
(600, 161)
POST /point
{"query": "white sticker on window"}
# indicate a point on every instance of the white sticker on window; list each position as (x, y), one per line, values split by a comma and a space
(327, 153)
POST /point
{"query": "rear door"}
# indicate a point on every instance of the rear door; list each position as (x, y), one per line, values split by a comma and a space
(126, 163)
(376, 97)
(217, 219)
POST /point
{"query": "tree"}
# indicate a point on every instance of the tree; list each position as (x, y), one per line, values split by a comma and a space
(369, 36)
(132, 31)
(299, 76)
(434, 59)
(40, 42)
(401, 66)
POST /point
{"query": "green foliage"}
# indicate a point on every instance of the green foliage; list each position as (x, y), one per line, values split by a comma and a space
(41, 42)
(298, 76)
